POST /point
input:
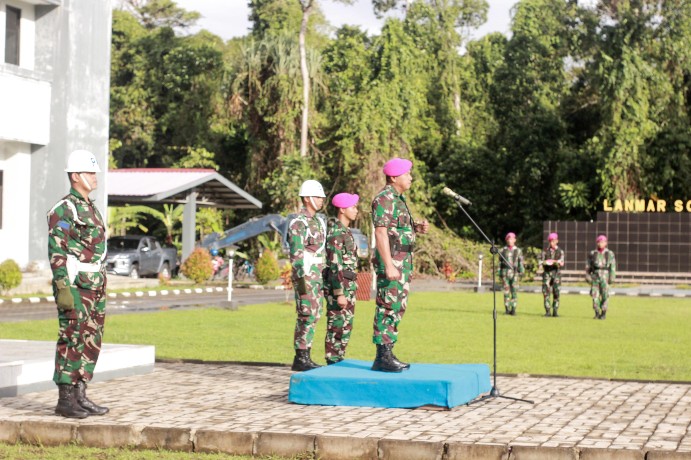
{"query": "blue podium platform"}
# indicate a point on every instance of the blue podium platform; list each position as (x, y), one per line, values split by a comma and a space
(353, 383)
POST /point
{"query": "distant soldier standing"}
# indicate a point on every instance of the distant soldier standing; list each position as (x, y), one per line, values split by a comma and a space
(339, 278)
(510, 274)
(307, 237)
(77, 250)
(552, 261)
(601, 271)
(394, 231)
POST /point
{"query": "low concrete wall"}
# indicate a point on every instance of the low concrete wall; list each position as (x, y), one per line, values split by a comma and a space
(64, 431)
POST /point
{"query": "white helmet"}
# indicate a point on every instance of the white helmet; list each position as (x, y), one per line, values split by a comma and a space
(82, 161)
(312, 188)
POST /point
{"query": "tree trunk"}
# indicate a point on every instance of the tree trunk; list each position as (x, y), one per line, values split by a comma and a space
(306, 10)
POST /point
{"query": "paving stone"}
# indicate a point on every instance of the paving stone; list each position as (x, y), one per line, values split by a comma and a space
(346, 448)
(284, 444)
(9, 431)
(397, 449)
(611, 454)
(459, 451)
(47, 433)
(169, 438)
(100, 435)
(234, 443)
(543, 453)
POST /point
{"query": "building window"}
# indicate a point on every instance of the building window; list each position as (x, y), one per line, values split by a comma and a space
(12, 19)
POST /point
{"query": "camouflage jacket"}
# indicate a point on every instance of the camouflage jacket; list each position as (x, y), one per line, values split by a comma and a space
(306, 237)
(390, 210)
(556, 255)
(601, 265)
(341, 257)
(75, 228)
(515, 257)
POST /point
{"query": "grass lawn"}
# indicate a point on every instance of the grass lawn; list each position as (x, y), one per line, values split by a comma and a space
(644, 338)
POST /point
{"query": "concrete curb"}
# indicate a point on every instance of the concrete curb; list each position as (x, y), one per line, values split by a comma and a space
(163, 292)
(296, 444)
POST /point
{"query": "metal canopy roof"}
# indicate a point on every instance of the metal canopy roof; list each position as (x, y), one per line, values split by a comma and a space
(144, 185)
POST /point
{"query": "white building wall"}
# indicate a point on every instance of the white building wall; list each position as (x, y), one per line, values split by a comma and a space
(25, 115)
(15, 162)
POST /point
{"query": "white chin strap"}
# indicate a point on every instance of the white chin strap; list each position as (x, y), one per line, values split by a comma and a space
(86, 182)
(314, 205)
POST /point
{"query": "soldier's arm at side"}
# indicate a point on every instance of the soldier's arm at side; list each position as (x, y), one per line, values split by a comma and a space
(335, 249)
(612, 269)
(561, 259)
(521, 265)
(381, 236)
(59, 228)
(297, 248)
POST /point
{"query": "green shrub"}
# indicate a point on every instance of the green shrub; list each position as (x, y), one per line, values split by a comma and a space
(197, 266)
(267, 268)
(10, 275)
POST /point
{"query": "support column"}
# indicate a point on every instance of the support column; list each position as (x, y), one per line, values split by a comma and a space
(189, 222)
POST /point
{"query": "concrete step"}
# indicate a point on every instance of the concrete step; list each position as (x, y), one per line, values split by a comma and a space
(27, 366)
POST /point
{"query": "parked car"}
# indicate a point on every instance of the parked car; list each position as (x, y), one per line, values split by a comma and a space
(138, 255)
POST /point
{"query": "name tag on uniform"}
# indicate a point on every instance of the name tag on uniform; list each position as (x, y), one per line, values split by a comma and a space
(63, 224)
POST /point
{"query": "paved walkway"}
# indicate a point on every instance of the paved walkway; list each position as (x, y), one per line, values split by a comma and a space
(244, 409)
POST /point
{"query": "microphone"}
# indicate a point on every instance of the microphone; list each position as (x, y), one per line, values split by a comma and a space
(456, 196)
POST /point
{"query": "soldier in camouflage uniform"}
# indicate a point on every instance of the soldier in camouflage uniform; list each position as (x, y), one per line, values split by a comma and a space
(552, 261)
(601, 270)
(340, 277)
(77, 251)
(510, 273)
(307, 237)
(394, 231)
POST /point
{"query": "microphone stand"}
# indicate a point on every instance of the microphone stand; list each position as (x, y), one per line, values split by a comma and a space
(494, 392)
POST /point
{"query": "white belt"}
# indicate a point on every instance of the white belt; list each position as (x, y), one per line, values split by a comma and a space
(312, 259)
(74, 266)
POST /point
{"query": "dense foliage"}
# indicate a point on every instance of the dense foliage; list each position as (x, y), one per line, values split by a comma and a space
(198, 266)
(582, 102)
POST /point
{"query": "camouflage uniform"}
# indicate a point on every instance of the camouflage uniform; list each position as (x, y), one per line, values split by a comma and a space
(389, 209)
(77, 236)
(307, 236)
(510, 275)
(551, 277)
(601, 270)
(341, 263)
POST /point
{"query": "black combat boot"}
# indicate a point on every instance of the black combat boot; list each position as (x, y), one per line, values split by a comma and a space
(597, 315)
(384, 361)
(400, 363)
(303, 362)
(87, 404)
(603, 315)
(67, 403)
(547, 313)
(513, 311)
(554, 312)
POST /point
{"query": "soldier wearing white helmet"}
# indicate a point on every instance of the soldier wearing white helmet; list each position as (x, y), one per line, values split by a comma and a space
(77, 251)
(307, 238)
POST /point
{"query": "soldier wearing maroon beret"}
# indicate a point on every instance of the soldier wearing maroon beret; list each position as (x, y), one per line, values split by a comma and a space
(340, 277)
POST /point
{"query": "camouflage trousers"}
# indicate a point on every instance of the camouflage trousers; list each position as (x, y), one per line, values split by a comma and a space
(551, 282)
(392, 300)
(599, 291)
(308, 309)
(79, 337)
(510, 284)
(339, 324)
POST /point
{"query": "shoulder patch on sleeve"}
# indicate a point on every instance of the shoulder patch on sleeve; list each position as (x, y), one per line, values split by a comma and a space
(63, 224)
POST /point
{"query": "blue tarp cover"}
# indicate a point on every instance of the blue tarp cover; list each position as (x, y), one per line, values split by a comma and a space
(353, 383)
